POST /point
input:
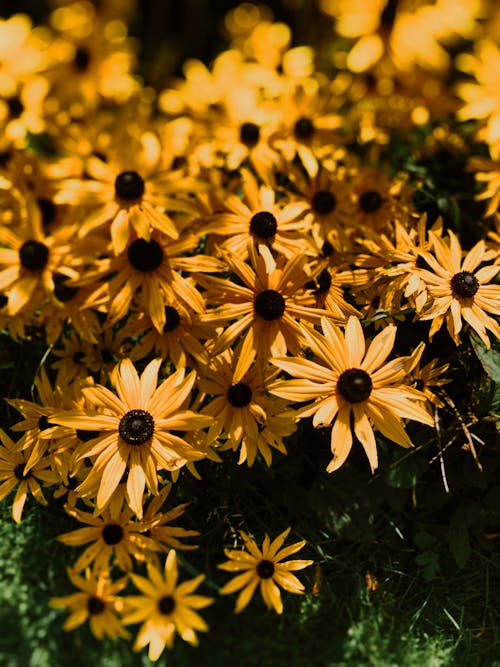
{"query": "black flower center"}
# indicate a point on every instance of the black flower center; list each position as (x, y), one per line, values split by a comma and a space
(95, 605)
(239, 395)
(321, 284)
(81, 59)
(19, 472)
(166, 604)
(464, 284)
(34, 255)
(44, 424)
(324, 202)
(263, 224)
(303, 129)
(269, 305)
(249, 134)
(265, 569)
(355, 385)
(107, 356)
(85, 436)
(136, 427)
(48, 211)
(129, 186)
(326, 249)
(112, 533)
(172, 319)
(62, 291)
(145, 255)
(16, 107)
(370, 201)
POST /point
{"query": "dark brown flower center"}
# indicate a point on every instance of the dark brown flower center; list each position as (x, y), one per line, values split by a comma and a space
(16, 107)
(464, 284)
(62, 291)
(239, 395)
(303, 129)
(172, 319)
(324, 202)
(48, 211)
(112, 533)
(145, 255)
(95, 605)
(265, 569)
(269, 305)
(263, 224)
(129, 186)
(355, 385)
(136, 427)
(249, 134)
(370, 201)
(321, 284)
(166, 604)
(34, 255)
(82, 59)
(19, 472)
(85, 436)
(44, 424)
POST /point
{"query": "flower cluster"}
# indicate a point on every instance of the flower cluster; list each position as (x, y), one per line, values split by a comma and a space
(211, 263)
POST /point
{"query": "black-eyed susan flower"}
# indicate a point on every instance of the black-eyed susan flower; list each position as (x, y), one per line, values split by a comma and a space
(353, 388)
(114, 537)
(96, 602)
(13, 473)
(260, 220)
(165, 608)
(129, 192)
(137, 431)
(264, 567)
(460, 288)
(270, 309)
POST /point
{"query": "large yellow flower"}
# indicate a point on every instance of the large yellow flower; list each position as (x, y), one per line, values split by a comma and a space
(165, 608)
(136, 431)
(354, 387)
(460, 288)
(265, 567)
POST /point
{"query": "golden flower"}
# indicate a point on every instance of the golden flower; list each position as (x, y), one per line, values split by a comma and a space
(353, 388)
(165, 608)
(131, 192)
(30, 260)
(115, 538)
(136, 431)
(97, 601)
(482, 96)
(265, 567)
(149, 272)
(13, 473)
(258, 219)
(427, 378)
(459, 289)
(239, 406)
(268, 307)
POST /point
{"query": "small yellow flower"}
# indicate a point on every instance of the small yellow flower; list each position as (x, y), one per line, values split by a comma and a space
(265, 567)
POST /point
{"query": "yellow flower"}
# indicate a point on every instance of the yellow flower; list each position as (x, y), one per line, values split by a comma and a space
(96, 602)
(136, 431)
(265, 567)
(115, 538)
(460, 289)
(354, 387)
(165, 608)
(13, 459)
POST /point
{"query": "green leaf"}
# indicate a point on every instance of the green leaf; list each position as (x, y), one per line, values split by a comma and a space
(490, 359)
(404, 474)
